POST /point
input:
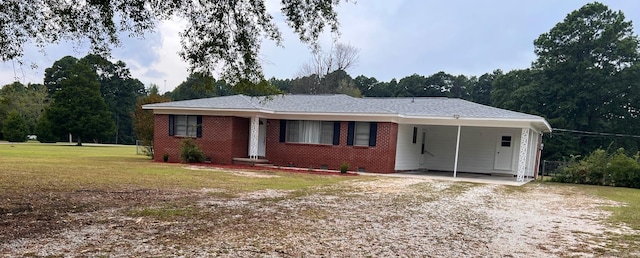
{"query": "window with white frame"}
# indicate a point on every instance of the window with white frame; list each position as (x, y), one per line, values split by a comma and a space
(362, 134)
(185, 125)
(304, 131)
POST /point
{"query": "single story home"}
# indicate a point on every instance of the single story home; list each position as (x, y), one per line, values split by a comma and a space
(382, 135)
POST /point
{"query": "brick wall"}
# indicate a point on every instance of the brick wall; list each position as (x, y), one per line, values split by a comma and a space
(379, 158)
(223, 138)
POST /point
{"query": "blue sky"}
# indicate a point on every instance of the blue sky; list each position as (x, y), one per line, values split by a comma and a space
(395, 38)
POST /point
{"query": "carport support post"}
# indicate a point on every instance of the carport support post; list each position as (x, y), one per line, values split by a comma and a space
(455, 164)
(253, 137)
(522, 157)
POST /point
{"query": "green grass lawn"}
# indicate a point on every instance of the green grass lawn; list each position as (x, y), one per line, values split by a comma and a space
(34, 167)
(627, 213)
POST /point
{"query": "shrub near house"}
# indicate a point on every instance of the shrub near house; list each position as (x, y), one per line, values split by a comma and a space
(601, 168)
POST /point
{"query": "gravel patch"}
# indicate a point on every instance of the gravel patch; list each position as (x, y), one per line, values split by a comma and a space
(236, 172)
(382, 217)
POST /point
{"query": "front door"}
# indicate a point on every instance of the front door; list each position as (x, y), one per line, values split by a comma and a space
(262, 137)
(504, 152)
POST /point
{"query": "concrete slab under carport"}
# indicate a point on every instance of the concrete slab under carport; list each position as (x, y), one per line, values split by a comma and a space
(460, 177)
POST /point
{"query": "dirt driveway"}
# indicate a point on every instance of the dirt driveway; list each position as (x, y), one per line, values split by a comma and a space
(361, 218)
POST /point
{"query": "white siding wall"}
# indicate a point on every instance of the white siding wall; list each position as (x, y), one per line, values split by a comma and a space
(477, 148)
(407, 153)
(441, 142)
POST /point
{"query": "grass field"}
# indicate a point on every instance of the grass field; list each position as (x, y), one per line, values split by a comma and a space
(29, 168)
(49, 189)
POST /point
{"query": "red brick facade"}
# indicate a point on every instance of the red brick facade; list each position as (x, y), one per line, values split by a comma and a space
(225, 138)
(379, 158)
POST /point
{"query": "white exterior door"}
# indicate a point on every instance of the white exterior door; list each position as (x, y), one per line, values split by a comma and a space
(262, 137)
(504, 152)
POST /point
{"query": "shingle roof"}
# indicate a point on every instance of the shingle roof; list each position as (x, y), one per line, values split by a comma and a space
(421, 107)
(444, 107)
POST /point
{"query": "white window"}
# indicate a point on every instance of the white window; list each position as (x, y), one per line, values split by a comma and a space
(303, 131)
(186, 125)
(362, 134)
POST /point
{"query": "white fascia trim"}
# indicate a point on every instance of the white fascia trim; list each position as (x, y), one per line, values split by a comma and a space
(472, 121)
(274, 114)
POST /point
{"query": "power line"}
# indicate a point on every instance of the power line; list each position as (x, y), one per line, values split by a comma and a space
(596, 133)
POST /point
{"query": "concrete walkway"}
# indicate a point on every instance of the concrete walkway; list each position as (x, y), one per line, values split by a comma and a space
(433, 175)
(461, 177)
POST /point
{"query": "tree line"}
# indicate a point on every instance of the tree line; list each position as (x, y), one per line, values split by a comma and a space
(90, 98)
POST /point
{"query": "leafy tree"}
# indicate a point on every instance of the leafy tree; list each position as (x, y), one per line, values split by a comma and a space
(336, 82)
(28, 101)
(339, 82)
(58, 72)
(307, 85)
(196, 86)
(14, 128)
(416, 85)
(46, 130)
(480, 89)
(263, 88)
(78, 107)
(118, 89)
(365, 84)
(283, 85)
(217, 32)
(583, 61)
(457, 86)
(120, 92)
(519, 90)
(143, 119)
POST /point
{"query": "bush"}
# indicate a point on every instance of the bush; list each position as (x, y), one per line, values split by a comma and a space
(165, 157)
(344, 167)
(190, 152)
(625, 170)
(15, 129)
(601, 168)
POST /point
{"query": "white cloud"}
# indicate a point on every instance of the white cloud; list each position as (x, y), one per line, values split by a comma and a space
(167, 66)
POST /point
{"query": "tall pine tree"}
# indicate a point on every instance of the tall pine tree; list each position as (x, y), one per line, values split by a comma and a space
(78, 107)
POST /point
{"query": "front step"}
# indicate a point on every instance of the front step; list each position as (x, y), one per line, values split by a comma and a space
(250, 162)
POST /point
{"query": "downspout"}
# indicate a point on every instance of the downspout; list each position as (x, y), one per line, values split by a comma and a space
(455, 164)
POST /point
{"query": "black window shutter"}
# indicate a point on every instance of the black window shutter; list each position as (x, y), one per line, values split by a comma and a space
(199, 127)
(350, 132)
(171, 124)
(336, 133)
(415, 134)
(373, 133)
(283, 130)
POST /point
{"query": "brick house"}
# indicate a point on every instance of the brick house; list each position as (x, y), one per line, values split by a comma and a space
(383, 135)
